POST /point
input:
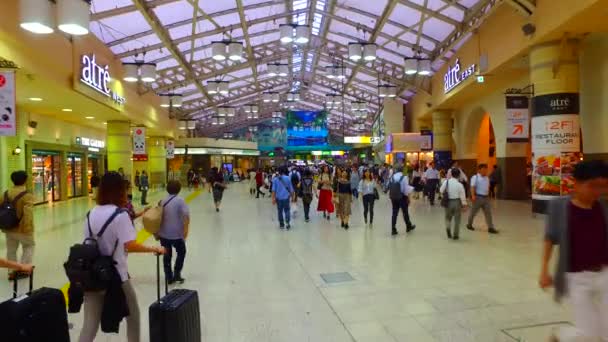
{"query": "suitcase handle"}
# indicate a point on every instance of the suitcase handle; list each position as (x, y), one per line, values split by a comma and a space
(16, 284)
(158, 279)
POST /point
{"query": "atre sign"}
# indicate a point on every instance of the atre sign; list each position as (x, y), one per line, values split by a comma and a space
(98, 78)
(455, 76)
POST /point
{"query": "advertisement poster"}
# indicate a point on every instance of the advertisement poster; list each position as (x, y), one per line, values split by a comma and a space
(307, 129)
(139, 141)
(427, 140)
(170, 147)
(518, 118)
(556, 144)
(8, 113)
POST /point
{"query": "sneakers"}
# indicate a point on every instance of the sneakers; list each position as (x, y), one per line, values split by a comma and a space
(410, 228)
(449, 232)
(470, 227)
(394, 232)
(217, 210)
(346, 226)
(492, 231)
(282, 226)
(288, 227)
(179, 279)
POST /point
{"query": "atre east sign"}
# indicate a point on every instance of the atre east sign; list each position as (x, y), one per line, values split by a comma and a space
(454, 76)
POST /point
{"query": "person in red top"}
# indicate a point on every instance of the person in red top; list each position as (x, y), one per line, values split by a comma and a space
(259, 182)
(579, 225)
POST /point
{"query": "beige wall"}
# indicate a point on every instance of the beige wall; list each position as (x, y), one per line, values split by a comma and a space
(216, 143)
(594, 93)
(393, 116)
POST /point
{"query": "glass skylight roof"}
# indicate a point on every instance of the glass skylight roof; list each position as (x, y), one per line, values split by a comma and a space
(424, 27)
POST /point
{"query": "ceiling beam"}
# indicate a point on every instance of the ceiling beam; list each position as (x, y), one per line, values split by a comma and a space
(163, 35)
(430, 12)
(250, 56)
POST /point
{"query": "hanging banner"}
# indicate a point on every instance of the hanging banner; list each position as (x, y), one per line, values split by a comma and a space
(556, 144)
(427, 140)
(8, 112)
(170, 147)
(139, 141)
(518, 118)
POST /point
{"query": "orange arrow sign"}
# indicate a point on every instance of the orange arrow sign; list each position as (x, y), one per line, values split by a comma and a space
(518, 129)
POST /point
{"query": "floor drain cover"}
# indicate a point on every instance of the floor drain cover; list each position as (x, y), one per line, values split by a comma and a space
(338, 277)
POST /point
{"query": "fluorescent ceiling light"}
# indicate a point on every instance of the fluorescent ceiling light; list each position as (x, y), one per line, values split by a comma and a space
(89, 117)
(66, 110)
(35, 99)
(36, 16)
(73, 16)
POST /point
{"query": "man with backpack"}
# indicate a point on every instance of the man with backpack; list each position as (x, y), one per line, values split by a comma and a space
(282, 190)
(398, 190)
(307, 191)
(17, 222)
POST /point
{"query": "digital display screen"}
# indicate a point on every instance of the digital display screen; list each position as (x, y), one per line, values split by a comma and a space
(307, 128)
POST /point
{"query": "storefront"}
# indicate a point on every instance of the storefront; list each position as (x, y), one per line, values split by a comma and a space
(63, 171)
(202, 159)
(411, 149)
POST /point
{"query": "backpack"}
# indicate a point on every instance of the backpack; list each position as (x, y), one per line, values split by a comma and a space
(86, 268)
(306, 187)
(294, 178)
(8, 212)
(394, 189)
(153, 218)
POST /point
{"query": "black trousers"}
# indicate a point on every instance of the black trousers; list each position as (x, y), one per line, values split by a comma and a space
(368, 207)
(259, 192)
(144, 197)
(402, 204)
(306, 200)
(431, 189)
(180, 248)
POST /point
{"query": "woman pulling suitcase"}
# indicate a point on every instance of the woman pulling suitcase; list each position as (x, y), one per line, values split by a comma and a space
(117, 240)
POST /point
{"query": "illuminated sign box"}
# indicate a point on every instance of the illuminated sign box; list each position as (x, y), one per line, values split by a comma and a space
(361, 140)
(223, 151)
(327, 153)
(454, 76)
(91, 143)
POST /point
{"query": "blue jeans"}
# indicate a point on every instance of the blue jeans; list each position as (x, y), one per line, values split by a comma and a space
(283, 209)
(180, 248)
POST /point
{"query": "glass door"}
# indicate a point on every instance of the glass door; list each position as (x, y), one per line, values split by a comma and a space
(46, 176)
(74, 169)
(92, 169)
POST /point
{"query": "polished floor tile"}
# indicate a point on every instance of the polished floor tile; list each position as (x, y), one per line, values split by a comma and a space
(258, 283)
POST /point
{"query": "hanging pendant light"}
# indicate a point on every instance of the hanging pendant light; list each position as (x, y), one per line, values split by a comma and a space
(255, 108)
(267, 97)
(165, 101)
(286, 33)
(212, 87)
(235, 51)
(73, 16)
(131, 72)
(425, 67)
(182, 125)
(148, 72)
(411, 66)
(302, 34)
(283, 70)
(276, 97)
(272, 70)
(176, 100)
(36, 16)
(191, 124)
(369, 52)
(355, 52)
(230, 112)
(218, 51)
(223, 87)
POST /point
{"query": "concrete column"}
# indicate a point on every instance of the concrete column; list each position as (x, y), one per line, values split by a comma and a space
(594, 102)
(442, 138)
(157, 161)
(554, 71)
(119, 147)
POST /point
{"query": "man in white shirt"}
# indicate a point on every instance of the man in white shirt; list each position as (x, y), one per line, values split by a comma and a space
(431, 179)
(480, 192)
(399, 190)
(457, 201)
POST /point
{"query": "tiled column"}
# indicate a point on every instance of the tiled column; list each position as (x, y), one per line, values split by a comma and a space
(442, 138)
(554, 71)
(157, 161)
(119, 147)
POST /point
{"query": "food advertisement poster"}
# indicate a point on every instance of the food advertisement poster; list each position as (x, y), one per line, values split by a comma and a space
(556, 144)
(8, 113)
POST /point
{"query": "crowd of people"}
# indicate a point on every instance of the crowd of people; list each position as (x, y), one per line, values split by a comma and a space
(578, 224)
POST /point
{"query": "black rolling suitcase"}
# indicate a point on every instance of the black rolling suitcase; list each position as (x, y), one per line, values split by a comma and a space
(175, 317)
(38, 316)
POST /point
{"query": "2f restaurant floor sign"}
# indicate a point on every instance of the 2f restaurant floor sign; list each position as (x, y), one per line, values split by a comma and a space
(555, 123)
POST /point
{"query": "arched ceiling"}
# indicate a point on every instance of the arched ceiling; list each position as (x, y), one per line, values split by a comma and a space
(177, 35)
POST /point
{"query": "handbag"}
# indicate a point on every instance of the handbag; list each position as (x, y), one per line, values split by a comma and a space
(376, 194)
(445, 199)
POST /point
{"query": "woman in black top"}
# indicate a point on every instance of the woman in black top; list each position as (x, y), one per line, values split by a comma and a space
(217, 186)
(345, 197)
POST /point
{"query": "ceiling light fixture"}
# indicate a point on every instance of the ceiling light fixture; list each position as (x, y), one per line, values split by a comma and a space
(35, 99)
(362, 51)
(139, 71)
(171, 100)
(335, 72)
(36, 16)
(73, 16)
(89, 117)
(299, 34)
(66, 110)
(416, 65)
(227, 49)
(387, 90)
(278, 69)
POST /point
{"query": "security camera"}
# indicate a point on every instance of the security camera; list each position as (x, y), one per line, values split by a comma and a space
(529, 29)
